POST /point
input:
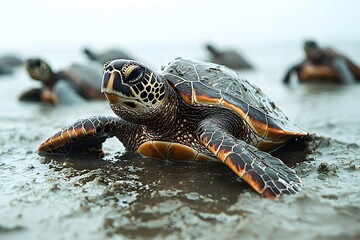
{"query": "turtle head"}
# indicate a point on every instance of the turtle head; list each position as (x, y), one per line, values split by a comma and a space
(312, 50)
(89, 54)
(213, 50)
(135, 92)
(39, 70)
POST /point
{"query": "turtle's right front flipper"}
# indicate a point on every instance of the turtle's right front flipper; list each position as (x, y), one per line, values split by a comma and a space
(268, 175)
(86, 136)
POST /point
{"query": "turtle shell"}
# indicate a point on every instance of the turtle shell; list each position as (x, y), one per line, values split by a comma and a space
(88, 74)
(108, 55)
(206, 84)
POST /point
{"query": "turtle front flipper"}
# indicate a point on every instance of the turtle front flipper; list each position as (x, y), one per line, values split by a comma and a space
(86, 136)
(268, 175)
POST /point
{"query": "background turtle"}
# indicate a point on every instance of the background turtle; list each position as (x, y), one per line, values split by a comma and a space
(323, 64)
(189, 110)
(229, 58)
(82, 79)
(105, 56)
(8, 62)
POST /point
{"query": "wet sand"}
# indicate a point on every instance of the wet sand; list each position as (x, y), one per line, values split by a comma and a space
(126, 196)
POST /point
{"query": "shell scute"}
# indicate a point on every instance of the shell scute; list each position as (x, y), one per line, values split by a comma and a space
(208, 84)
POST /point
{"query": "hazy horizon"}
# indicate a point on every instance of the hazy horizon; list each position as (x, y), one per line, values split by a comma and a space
(43, 23)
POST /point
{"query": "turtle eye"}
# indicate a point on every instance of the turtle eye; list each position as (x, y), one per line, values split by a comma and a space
(35, 63)
(107, 66)
(135, 75)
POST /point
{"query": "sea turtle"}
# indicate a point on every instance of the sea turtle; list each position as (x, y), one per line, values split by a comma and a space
(105, 56)
(229, 58)
(11, 60)
(5, 69)
(84, 79)
(324, 64)
(8, 62)
(188, 110)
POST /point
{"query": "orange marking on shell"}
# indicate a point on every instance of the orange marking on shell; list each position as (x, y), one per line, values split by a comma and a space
(309, 73)
(188, 99)
(273, 134)
(234, 108)
(268, 146)
(178, 151)
(206, 99)
(260, 128)
(279, 135)
(149, 149)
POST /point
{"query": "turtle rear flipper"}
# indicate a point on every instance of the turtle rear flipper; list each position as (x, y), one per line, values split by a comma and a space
(268, 175)
(85, 136)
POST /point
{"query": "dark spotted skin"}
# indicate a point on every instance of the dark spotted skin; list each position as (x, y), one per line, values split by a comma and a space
(203, 111)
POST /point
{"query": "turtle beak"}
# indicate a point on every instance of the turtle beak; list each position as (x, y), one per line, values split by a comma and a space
(107, 86)
(112, 98)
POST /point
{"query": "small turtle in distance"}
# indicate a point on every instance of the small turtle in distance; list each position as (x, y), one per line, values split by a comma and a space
(324, 65)
(8, 63)
(105, 56)
(229, 58)
(83, 80)
(190, 110)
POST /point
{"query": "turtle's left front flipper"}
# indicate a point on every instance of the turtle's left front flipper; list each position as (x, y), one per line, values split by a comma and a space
(86, 136)
(268, 175)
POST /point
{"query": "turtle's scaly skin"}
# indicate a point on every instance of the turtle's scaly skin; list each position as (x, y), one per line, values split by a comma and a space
(190, 110)
(85, 136)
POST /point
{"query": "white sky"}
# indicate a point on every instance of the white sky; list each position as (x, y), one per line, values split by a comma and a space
(27, 23)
